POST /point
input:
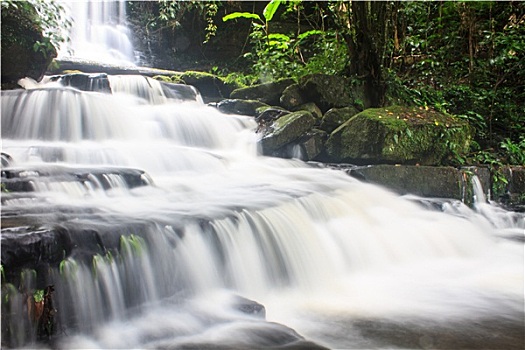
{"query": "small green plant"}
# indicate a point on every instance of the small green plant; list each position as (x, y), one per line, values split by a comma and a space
(284, 55)
(270, 55)
(68, 267)
(514, 151)
(38, 295)
(132, 244)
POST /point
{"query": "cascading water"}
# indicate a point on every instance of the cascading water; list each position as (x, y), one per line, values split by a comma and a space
(168, 219)
(99, 32)
(154, 219)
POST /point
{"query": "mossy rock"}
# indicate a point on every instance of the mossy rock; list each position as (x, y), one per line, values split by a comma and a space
(336, 117)
(285, 130)
(447, 182)
(242, 107)
(399, 135)
(212, 87)
(329, 91)
(292, 97)
(268, 93)
(20, 32)
(312, 108)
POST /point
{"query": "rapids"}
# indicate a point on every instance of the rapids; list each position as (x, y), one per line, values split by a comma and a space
(209, 222)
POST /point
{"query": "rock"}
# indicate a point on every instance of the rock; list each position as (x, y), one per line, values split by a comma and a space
(285, 130)
(336, 117)
(514, 196)
(268, 93)
(308, 147)
(399, 135)
(180, 92)
(27, 247)
(243, 107)
(20, 32)
(292, 97)
(25, 180)
(329, 91)
(211, 87)
(314, 144)
(249, 307)
(30, 241)
(7, 160)
(85, 82)
(76, 65)
(426, 181)
(266, 115)
(312, 108)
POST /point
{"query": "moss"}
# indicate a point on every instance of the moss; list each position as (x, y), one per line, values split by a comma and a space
(286, 129)
(163, 78)
(403, 135)
(21, 31)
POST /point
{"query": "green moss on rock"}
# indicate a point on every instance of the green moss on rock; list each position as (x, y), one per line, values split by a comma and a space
(20, 32)
(329, 91)
(268, 93)
(211, 86)
(287, 129)
(335, 117)
(399, 135)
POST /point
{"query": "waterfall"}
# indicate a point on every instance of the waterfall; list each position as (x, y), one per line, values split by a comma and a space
(99, 32)
(170, 226)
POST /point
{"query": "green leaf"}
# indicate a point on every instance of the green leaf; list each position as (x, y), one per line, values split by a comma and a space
(270, 9)
(279, 37)
(309, 33)
(241, 15)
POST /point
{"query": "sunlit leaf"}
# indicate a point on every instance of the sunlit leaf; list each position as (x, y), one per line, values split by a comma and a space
(241, 15)
(270, 9)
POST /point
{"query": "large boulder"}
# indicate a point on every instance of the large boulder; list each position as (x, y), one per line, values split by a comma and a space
(312, 108)
(285, 130)
(425, 181)
(329, 91)
(20, 57)
(268, 93)
(399, 135)
(292, 97)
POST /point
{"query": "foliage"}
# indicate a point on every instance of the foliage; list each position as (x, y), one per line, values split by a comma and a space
(469, 56)
(168, 15)
(38, 295)
(463, 58)
(51, 15)
(281, 55)
(514, 151)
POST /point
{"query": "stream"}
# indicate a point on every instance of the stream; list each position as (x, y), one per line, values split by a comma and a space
(174, 232)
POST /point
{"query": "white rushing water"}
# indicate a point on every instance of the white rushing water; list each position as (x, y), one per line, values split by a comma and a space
(98, 32)
(320, 250)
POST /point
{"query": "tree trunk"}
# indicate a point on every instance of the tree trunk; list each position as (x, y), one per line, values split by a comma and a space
(366, 47)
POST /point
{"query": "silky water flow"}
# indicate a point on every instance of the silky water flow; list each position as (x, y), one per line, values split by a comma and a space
(98, 32)
(219, 247)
